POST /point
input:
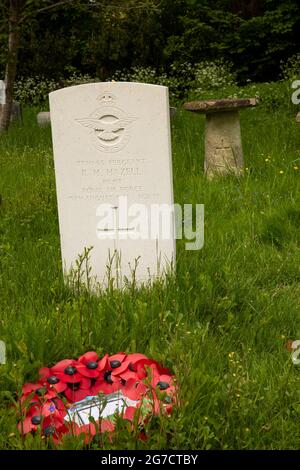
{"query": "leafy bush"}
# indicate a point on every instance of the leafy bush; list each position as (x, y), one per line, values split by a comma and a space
(150, 75)
(35, 90)
(136, 74)
(213, 75)
(78, 79)
(290, 70)
(185, 74)
(206, 80)
(271, 96)
(182, 77)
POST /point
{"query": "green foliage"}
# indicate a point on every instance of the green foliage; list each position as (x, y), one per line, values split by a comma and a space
(206, 80)
(220, 325)
(290, 69)
(254, 41)
(272, 96)
(150, 75)
(35, 90)
(255, 36)
(213, 76)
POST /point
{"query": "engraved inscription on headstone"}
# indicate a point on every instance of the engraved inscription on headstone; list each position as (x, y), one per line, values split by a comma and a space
(112, 141)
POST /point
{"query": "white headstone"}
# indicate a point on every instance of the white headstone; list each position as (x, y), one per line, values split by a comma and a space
(2, 352)
(112, 147)
(43, 118)
(2, 92)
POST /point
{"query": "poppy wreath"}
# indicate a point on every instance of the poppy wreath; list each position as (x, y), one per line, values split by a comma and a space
(45, 404)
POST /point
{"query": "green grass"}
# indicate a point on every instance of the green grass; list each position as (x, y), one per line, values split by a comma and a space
(220, 324)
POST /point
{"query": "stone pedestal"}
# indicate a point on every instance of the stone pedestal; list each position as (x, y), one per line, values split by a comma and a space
(223, 144)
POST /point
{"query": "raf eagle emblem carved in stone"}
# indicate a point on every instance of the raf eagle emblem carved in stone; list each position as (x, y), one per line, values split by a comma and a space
(110, 125)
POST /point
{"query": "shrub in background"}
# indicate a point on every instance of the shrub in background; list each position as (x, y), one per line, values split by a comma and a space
(213, 75)
(34, 90)
(205, 80)
(271, 96)
(150, 75)
(290, 70)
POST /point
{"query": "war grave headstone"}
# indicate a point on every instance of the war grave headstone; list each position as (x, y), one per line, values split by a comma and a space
(112, 153)
(16, 112)
(43, 118)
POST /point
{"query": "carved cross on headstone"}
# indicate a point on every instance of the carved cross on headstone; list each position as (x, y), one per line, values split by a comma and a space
(115, 232)
(116, 229)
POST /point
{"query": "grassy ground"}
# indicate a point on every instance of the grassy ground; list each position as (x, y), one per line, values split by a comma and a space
(221, 325)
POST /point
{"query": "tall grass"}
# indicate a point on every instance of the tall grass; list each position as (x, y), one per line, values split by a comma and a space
(220, 325)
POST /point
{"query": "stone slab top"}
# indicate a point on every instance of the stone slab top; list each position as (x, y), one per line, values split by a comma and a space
(298, 117)
(215, 106)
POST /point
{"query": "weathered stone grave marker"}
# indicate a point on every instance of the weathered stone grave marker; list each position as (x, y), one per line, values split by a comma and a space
(2, 352)
(16, 112)
(2, 92)
(223, 145)
(112, 154)
(43, 118)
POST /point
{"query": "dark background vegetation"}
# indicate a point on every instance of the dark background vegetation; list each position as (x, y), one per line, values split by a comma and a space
(256, 35)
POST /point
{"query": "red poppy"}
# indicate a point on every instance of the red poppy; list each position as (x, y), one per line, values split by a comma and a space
(132, 412)
(67, 371)
(78, 391)
(37, 412)
(128, 367)
(135, 390)
(162, 382)
(162, 393)
(51, 381)
(60, 405)
(135, 367)
(154, 387)
(90, 430)
(115, 361)
(35, 392)
(45, 372)
(139, 378)
(54, 409)
(32, 420)
(29, 389)
(106, 383)
(90, 366)
(54, 428)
